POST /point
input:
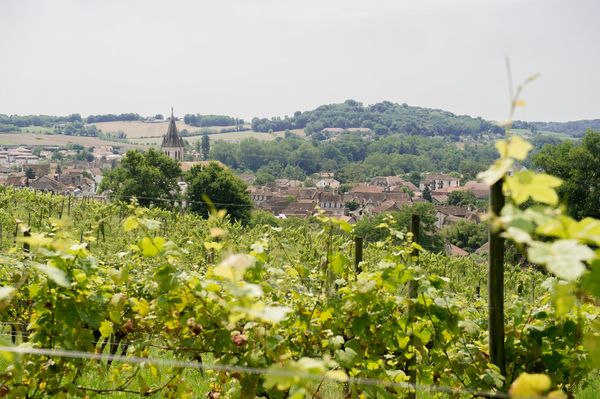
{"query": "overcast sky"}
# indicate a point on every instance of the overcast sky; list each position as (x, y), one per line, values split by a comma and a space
(268, 58)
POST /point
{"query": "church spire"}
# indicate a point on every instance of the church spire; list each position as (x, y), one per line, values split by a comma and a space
(172, 143)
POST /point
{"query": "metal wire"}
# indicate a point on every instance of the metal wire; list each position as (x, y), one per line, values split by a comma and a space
(247, 370)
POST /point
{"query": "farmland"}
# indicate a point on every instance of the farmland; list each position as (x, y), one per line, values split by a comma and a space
(138, 129)
(35, 139)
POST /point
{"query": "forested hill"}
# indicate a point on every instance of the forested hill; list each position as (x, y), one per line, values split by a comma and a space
(383, 118)
(572, 128)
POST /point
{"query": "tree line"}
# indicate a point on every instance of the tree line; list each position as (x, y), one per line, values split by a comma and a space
(383, 118)
(352, 157)
(572, 128)
(211, 120)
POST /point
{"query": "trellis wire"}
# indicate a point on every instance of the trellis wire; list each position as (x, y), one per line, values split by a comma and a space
(246, 370)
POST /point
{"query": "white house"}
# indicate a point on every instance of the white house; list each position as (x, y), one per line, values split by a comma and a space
(327, 183)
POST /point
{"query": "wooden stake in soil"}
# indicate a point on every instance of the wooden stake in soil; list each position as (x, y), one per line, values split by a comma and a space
(358, 253)
(413, 287)
(496, 284)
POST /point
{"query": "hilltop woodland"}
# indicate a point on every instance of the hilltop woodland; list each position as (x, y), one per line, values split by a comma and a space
(290, 310)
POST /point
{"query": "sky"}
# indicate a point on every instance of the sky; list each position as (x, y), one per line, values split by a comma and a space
(264, 58)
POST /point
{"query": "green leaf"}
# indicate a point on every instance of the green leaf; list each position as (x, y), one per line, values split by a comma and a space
(337, 264)
(516, 148)
(106, 328)
(530, 385)
(130, 223)
(152, 246)
(495, 172)
(537, 186)
(346, 357)
(54, 274)
(564, 258)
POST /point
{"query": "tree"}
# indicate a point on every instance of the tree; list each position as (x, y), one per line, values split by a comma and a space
(578, 165)
(466, 235)
(151, 177)
(29, 173)
(213, 184)
(462, 198)
(427, 193)
(205, 145)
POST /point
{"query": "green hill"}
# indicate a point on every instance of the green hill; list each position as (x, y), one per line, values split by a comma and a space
(383, 118)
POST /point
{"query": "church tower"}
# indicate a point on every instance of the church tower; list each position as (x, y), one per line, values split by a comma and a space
(172, 144)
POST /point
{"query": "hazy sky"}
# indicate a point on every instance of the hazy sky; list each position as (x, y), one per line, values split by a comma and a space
(272, 57)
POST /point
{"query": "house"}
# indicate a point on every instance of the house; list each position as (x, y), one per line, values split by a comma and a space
(387, 206)
(438, 181)
(366, 188)
(439, 199)
(393, 183)
(16, 180)
(332, 204)
(71, 177)
(447, 215)
(302, 193)
(484, 249)
(327, 183)
(47, 184)
(41, 169)
(479, 190)
(302, 208)
(453, 250)
(286, 183)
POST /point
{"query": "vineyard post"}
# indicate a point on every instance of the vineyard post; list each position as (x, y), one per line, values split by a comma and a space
(496, 283)
(412, 294)
(26, 233)
(69, 206)
(358, 253)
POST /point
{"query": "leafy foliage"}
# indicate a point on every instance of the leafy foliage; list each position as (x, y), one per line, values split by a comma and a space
(577, 165)
(382, 118)
(151, 177)
(213, 184)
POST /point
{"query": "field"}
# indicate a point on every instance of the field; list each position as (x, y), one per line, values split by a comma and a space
(557, 135)
(267, 309)
(34, 139)
(138, 129)
(231, 136)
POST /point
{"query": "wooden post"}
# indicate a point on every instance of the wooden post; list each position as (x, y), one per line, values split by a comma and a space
(69, 206)
(413, 287)
(358, 253)
(26, 233)
(496, 284)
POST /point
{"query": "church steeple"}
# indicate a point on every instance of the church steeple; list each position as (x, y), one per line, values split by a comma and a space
(172, 144)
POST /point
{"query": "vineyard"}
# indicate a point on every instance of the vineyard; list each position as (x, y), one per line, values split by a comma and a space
(112, 299)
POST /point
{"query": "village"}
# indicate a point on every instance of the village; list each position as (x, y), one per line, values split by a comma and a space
(38, 169)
